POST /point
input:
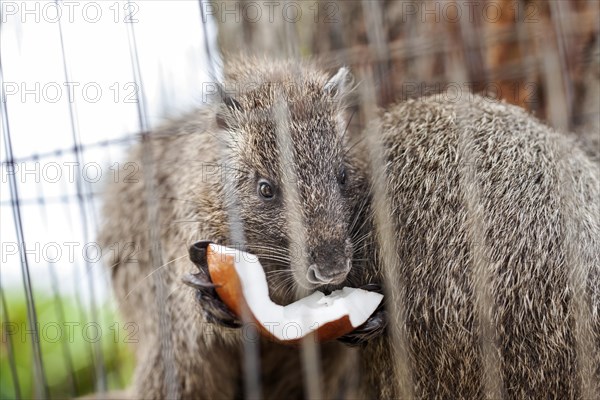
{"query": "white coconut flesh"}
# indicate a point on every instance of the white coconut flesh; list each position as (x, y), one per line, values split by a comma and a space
(304, 316)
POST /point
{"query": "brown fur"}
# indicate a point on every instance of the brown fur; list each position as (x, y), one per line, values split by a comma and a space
(497, 242)
(195, 203)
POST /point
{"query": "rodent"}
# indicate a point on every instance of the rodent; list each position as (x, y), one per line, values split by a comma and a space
(238, 137)
(496, 241)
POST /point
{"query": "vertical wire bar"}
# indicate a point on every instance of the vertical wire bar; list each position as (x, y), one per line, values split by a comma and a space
(309, 348)
(209, 56)
(376, 38)
(77, 279)
(9, 347)
(385, 236)
(156, 257)
(524, 44)
(483, 302)
(311, 362)
(557, 16)
(480, 274)
(557, 108)
(59, 306)
(290, 33)
(581, 260)
(548, 66)
(384, 230)
(250, 344)
(472, 47)
(408, 61)
(249, 332)
(423, 37)
(41, 383)
(100, 371)
(73, 388)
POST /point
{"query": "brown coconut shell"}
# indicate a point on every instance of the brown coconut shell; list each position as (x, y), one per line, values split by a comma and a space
(223, 274)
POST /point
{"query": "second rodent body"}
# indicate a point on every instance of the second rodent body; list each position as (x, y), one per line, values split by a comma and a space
(494, 281)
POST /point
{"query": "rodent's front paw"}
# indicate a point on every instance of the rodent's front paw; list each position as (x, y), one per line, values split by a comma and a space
(214, 309)
(373, 327)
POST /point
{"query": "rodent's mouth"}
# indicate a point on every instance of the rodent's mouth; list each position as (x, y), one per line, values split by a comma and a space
(286, 294)
(328, 289)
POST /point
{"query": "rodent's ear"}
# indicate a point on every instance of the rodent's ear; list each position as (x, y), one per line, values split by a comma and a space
(338, 85)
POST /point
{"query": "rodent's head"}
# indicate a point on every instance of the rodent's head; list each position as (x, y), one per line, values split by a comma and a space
(296, 206)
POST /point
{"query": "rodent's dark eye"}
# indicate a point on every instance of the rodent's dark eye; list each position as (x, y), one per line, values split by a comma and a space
(342, 176)
(265, 190)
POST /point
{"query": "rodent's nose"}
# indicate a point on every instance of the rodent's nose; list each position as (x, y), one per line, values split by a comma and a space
(316, 276)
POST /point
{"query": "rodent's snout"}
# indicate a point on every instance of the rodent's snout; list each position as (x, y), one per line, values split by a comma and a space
(326, 276)
(329, 262)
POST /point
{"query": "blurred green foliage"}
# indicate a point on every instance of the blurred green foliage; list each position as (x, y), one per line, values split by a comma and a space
(63, 342)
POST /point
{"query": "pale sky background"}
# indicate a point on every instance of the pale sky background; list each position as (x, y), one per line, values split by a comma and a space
(173, 62)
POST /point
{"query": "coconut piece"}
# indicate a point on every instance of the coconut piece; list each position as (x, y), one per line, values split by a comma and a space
(241, 283)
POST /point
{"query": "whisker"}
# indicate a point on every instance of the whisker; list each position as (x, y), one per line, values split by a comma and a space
(281, 260)
(279, 271)
(358, 214)
(361, 239)
(150, 274)
(288, 281)
(346, 129)
(270, 250)
(354, 145)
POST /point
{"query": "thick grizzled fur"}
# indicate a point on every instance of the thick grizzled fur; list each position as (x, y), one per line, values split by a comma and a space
(497, 237)
(192, 156)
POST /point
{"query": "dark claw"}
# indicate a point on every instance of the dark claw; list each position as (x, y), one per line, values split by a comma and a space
(198, 255)
(196, 281)
(372, 287)
(215, 310)
(373, 327)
